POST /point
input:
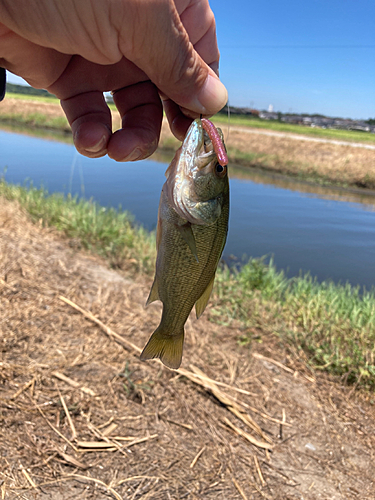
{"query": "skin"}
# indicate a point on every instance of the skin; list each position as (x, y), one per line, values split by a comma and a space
(152, 53)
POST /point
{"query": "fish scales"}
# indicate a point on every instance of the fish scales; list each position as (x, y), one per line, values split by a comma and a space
(191, 278)
(191, 234)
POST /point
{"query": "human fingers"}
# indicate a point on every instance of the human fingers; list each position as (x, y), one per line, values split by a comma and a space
(161, 47)
(80, 89)
(178, 121)
(39, 66)
(91, 122)
(142, 113)
(42, 67)
(149, 33)
(201, 34)
(81, 27)
(90, 119)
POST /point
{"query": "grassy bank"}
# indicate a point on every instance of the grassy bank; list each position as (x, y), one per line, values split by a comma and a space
(46, 99)
(245, 121)
(317, 162)
(331, 327)
(36, 120)
(30, 97)
(107, 232)
(34, 112)
(321, 133)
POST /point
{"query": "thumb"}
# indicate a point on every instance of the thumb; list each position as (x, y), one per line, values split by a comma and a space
(172, 63)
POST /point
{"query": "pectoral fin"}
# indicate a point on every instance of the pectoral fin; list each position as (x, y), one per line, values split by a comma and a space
(154, 293)
(187, 234)
(201, 303)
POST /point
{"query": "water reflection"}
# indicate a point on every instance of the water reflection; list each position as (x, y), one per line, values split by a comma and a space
(338, 193)
(39, 132)
(327, 231)
(258, 176)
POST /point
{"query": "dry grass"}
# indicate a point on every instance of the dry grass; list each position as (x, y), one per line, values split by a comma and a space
(319, 162)
(83, 417)
(15, 106)
(309, 160)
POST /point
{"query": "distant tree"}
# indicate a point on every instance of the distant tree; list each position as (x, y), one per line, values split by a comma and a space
(23, 89)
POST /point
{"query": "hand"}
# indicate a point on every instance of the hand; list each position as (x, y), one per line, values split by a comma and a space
(141, 49)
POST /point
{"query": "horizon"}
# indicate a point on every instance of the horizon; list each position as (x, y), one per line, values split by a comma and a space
(312, 57)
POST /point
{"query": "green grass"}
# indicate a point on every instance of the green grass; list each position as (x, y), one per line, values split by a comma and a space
(30, 97)
(339, 135)
(244, 121)
(35, 120)
(332, 327)
(108, 232)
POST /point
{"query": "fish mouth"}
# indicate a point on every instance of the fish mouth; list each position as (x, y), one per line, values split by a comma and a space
(203, 144)
(189, 186)
(206, 153)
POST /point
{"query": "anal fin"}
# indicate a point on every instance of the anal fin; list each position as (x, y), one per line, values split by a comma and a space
(154, 293)
(201, 303)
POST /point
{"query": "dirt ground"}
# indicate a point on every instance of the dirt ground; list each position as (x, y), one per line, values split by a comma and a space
(332, 162)
(82, 417)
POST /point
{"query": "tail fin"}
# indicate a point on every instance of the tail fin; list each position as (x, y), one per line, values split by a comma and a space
(166, 347)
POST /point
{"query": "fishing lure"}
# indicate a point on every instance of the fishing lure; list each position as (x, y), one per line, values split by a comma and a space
(216, 140)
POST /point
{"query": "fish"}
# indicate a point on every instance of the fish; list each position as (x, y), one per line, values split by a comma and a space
(191, 233)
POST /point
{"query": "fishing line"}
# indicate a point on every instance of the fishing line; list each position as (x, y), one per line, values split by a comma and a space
(76, 157)
(72, 167)
(80, 169)
(228, 110)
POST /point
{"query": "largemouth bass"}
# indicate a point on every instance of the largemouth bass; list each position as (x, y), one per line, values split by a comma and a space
(191, 233)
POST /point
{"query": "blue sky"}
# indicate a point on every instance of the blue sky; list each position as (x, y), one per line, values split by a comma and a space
(313, 56)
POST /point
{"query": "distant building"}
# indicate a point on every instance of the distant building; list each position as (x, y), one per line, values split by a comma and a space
(307, 120)
(317, 120)
(266, 115)
(292, 119)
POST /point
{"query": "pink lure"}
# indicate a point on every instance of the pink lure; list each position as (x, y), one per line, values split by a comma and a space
(217, 143)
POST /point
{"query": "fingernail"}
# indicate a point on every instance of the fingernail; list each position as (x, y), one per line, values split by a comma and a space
(213, 95)
(135, 155)
(98, 146)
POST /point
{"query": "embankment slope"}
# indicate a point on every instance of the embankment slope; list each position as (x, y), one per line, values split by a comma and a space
(131, 429)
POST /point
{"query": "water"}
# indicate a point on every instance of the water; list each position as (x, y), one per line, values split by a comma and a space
(329, 232)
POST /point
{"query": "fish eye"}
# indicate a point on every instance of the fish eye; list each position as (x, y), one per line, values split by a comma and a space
(220, 170)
